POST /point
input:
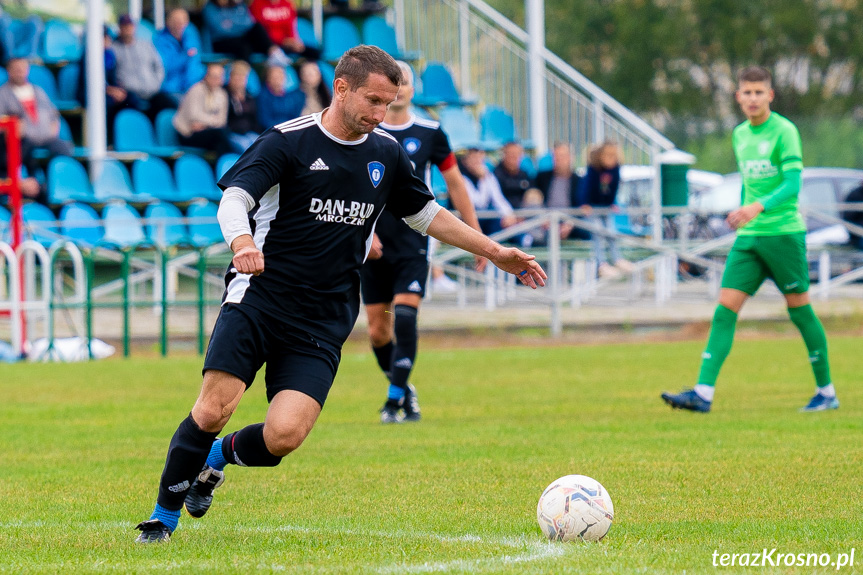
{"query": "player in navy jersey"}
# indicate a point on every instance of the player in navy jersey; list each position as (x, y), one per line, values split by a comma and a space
(320, 183)
(394, 276)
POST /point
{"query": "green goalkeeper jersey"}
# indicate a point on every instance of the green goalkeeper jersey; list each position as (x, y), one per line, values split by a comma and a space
(764, 153)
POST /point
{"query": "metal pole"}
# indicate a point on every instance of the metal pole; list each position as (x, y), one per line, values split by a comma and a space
(399, 8)
(96, 137)
(163, 264)
(464, 47)
(535, 14)
(91, 274)
(159, 14)
(554, 272)
(124, 272)
(318, 20)
(135, 9)
(598, 122)
(202, 269)
(656, 195)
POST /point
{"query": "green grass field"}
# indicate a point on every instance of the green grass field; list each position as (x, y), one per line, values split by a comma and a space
(83, 446)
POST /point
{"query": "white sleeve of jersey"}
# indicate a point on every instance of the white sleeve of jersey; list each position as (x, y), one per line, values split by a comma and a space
(421, 220)
(234, 213)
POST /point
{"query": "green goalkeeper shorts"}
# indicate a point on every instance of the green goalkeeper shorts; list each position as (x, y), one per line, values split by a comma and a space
(755, 258)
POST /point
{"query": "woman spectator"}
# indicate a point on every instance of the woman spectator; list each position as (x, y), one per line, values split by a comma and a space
(600, 191)
(202, 118)
(242, 109)
(275, 103)
(485, 193)
(312, 85)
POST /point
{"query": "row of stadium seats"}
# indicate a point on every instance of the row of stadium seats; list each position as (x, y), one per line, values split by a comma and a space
(56, 42)
(120, 225)
(151, 180)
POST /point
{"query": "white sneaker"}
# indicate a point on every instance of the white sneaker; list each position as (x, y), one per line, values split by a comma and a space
(443, 284)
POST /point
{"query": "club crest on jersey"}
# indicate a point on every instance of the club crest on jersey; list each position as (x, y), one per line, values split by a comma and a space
(376, 173)
(412, 145)
(763, 147)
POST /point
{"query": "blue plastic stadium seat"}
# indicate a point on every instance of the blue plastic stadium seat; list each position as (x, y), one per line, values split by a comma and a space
(545, 163)
(195, 179)
(224, 163)
(123, 226)
(461, 127)
(67, 82)
(68, 182)
(80, 223)
(528, 166)
(438, 186)
(203, 227)
(165, 225)
(438, 88)
(4, 76)
(5, 218)
(340, 35)
(133, 132)
(166, 135)
(145, 30)
(152, 176)
(59, 43)
(40, 224)
(25, 36)
(306, 31)
(44, 78)
(498, 126)
(377, 32)
(113, 183)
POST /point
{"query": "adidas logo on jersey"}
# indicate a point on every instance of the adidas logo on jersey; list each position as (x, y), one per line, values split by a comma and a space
(319, 165)
(415, 286)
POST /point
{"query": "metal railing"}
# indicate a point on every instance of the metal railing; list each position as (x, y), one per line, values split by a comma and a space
(488, 56)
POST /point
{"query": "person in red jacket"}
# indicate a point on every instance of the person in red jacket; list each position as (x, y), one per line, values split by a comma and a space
(279, 19)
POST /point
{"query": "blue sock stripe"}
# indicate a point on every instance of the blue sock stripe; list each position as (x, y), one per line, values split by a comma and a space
(170, 518)
(216, 458)
(396, 392)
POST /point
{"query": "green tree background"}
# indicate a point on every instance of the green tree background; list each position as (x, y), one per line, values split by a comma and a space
(674, 62)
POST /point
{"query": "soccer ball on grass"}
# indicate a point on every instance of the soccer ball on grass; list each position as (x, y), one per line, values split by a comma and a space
(575, 507)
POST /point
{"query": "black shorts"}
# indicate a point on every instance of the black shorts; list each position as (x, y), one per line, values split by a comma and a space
(244, 339)
(382, 279)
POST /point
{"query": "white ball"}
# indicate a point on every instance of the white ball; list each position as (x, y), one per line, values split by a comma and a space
(575, 507)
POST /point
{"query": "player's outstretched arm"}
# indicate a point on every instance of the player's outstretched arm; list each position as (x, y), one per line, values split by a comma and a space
(449, 229)
(233, 219)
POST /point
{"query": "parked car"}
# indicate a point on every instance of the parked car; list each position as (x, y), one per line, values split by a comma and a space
(636, 191)
(822, 190)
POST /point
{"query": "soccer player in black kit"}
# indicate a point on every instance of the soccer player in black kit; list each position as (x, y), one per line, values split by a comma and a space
(394, 275)
(320, 183)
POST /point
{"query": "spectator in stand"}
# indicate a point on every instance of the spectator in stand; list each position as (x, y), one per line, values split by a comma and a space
(40, 119)
(202, 119)
(854, 216)
(275, 103)
(242, 109)
(484, 191)
(180, 53)
(312, 85)
(116, 98)
(514, 181)
(561, 189)
(600, 191)
(233, 31)
(279, 19)
(140, 71)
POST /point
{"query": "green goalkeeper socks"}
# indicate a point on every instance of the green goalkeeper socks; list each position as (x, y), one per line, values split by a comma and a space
(816, 341)
(718, 345)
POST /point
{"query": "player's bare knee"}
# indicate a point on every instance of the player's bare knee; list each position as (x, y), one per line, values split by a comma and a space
(379, 337)
(283, 441)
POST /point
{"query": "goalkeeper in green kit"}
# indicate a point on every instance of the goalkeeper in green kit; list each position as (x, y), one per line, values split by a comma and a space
(771, 243)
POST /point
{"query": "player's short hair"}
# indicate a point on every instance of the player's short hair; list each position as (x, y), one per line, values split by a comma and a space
(359, 62)
(755, 74)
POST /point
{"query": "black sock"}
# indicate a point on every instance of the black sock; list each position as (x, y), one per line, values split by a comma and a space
(247, 447)
(406, 344)
(187, 454)
(384, 355)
